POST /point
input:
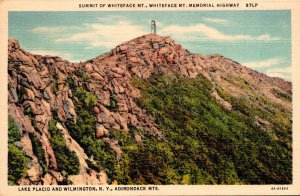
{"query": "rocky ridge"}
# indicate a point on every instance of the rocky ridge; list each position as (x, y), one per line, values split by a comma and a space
(38, 91)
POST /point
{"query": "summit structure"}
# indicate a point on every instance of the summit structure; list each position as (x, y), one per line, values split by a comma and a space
(153, 26)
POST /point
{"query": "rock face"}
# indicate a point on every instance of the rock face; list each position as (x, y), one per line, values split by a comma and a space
(38, 91)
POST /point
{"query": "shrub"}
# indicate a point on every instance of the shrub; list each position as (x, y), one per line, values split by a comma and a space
(67, 160)
(208, 142)
(17, 164)
(281, 94)
(38, 152)
(17, 159)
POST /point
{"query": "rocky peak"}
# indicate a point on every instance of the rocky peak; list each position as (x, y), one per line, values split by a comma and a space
(145, 42)
(143, 55)
(42, 88)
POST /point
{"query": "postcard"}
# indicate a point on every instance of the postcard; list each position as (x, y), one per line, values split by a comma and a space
(149, 97)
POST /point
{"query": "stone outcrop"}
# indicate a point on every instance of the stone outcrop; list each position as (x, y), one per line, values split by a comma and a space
(38, 91)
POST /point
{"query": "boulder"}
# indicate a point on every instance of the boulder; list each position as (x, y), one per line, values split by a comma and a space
(163, 51)
(14, 95)
(35, 172)
(124, 47)
(117, 70)
(101, 131)
(13, 44)
(138, 138)
(155, 46)
(134, 59)
(25, 59)
(96, 110)
(49, 180)
(89, 68)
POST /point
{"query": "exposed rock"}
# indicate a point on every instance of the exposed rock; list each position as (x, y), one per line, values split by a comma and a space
(89, 68)
(25, 59)
(49, 180)
(30, 94)
(34, 173)
(224, 103)
(138, 138)
(101, 131)
(124, 47)
(262, 121)
(46, 96)
(14, 96)
(163, 51)
(113, 144)
(92, 178)
(38, 91)
(96, 110)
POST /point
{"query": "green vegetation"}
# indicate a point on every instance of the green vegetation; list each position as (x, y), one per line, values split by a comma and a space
(281, 94)
(13, 131)
(203, 143)
(242, 83)
(38, 152)
(28, 111)
(54, 84)
(113, 103)
(66, 160)
(209, 144)
(17, 164)
(82, 75)
(17, 159)
(83, 130)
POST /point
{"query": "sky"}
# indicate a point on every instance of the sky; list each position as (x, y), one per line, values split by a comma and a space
(260, 40)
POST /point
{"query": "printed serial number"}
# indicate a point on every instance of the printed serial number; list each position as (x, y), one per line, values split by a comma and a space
(280, 188)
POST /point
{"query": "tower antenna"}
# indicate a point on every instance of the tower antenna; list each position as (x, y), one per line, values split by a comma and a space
(153, 27)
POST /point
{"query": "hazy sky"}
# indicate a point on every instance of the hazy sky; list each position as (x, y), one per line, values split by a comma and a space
(258, 39)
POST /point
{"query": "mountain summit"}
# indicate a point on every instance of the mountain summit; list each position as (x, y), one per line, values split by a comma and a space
(147, 112)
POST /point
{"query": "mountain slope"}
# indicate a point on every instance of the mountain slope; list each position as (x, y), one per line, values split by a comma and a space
(148, 111)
